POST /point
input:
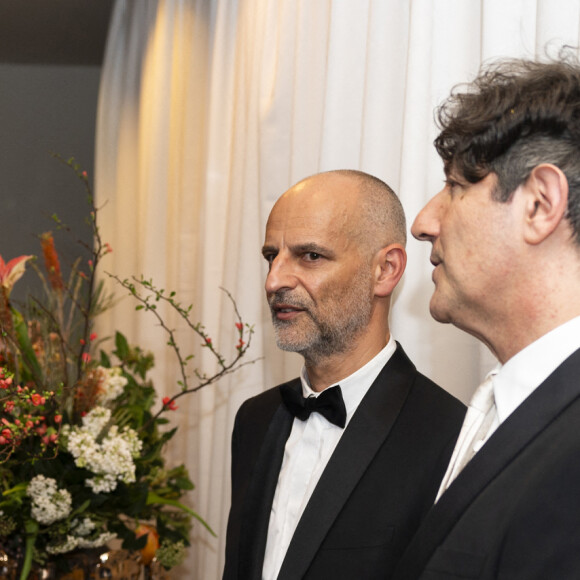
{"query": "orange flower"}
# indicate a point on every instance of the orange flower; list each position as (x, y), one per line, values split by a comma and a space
(51, 261)
(148, 552)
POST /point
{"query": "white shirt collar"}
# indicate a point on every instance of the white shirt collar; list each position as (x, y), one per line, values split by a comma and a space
(355, 386)
(530, 367)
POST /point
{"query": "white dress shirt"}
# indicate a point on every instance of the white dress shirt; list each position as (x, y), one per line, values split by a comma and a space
(520, 376)
(308, 449)
(529, 368)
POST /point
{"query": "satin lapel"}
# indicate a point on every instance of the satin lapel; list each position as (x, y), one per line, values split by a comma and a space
(359, 444)
(542, 407)
(261, 494)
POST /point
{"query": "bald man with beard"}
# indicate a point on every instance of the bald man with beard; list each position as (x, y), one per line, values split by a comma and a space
(333, 471)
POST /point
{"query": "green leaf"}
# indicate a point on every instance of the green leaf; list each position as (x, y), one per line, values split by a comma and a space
(153, 498)
(122, 346)
(105, 360)
(25, 346)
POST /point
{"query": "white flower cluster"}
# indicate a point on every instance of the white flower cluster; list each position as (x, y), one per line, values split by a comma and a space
(74, 542)
(84, 527)
(110, 382)
(49, 504)
(78, 537)
(111, 460)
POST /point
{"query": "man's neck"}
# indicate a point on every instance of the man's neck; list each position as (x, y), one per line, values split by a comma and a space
(333, 368)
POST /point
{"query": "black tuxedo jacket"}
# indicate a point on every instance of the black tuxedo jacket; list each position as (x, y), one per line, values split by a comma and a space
(514, 511)
(379, 483)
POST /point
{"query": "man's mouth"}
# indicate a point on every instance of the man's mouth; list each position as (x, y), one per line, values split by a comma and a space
(285, 311)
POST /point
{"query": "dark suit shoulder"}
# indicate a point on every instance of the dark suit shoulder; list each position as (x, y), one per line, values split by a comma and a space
(437, 399)
(263, 404)
(425, 395)
(254, 417)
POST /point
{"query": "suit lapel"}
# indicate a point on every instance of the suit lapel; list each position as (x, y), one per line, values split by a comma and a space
(260, 495)
(364, 435)
(532, 417)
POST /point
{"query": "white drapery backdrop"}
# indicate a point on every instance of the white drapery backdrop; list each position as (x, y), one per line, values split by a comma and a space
(210, 109)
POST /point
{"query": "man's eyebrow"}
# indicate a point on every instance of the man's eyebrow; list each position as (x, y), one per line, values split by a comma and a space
(309, 247)
(266, 250)
(298, 249)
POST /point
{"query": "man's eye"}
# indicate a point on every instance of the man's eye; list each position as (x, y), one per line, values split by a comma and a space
(269, 258)
(312, 256)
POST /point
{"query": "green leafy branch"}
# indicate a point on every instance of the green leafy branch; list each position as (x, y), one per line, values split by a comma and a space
(149, 296)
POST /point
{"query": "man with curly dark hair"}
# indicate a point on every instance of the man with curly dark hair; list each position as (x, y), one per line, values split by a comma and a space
(506, 254)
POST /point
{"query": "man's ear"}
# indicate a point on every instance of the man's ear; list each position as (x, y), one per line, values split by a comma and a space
(390, 263)
(545, 202)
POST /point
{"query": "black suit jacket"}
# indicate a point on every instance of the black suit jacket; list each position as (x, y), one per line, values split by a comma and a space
(377, 486)
(514, 511)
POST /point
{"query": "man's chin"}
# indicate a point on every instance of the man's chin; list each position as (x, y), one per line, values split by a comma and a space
(438, 312)
(286, 341)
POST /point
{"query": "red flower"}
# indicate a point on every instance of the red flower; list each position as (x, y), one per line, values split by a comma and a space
(167, 402)
(86, 357)
(9, 406)
(57, 419)
(37, 399)
(5, 383)
(239, 326)
(93, 336)
(49, 438)
(208, 341)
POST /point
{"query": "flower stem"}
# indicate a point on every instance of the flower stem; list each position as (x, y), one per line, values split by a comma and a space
(31, 533)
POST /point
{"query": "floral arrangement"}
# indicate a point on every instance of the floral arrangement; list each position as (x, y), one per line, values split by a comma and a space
(81, 431)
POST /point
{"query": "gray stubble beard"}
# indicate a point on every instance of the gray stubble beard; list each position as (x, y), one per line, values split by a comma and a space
(323, 339)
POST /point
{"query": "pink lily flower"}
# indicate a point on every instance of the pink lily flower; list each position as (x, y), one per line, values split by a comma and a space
(12, 271)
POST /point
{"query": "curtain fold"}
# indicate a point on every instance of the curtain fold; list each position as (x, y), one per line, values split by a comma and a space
(210, 109)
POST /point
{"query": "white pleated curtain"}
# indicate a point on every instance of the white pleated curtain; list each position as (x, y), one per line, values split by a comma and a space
(210, 109)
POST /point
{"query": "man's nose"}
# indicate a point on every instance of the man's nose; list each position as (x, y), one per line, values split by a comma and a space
(281, 275)
(427, 223)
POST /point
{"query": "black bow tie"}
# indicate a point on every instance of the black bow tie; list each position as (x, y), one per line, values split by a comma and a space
(329, 404)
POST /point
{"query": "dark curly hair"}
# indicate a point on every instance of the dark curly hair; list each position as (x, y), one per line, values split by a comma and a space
(515, 115)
